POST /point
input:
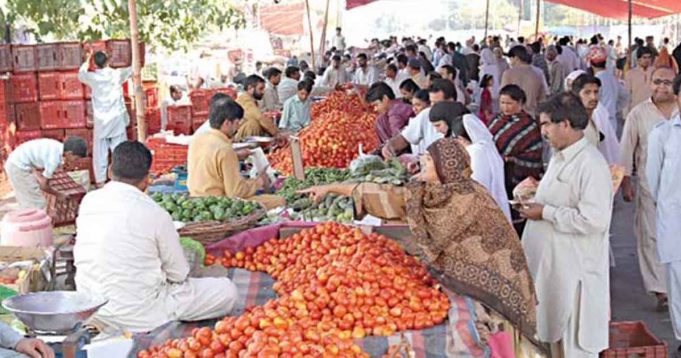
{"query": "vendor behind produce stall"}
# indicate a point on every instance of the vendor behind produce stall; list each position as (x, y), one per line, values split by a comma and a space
(393, 114)
(254, 123)
(32, 164)
(176, 98)
(213, 165)
(128, 251)
(296, 115)
(460, 229)
(270, 100)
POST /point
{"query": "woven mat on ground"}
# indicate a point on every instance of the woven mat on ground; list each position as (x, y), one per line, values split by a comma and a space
(256, 289)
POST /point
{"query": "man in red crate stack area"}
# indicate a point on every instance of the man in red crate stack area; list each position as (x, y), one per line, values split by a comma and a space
(128, 251)
(32, 164)
(110, 114)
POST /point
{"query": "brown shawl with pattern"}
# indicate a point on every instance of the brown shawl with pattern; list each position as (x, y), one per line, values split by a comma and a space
(464, 234)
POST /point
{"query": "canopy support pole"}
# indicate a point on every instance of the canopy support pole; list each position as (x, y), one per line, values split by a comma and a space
(322, 44)
(631, 13)
(486, 17)
(309, 23)
(520, 16)
(536, 25)
(136, 72)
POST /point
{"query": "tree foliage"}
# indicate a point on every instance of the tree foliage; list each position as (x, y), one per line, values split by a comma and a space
(170, 24)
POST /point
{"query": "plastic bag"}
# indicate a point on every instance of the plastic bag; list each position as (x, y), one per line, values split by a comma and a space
(365, 163)
(194, 252)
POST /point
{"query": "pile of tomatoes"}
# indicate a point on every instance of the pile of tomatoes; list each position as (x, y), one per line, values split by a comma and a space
(340, 123)
(335, 285)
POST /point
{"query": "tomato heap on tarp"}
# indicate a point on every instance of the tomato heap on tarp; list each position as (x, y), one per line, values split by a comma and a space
(335, 285)
(340, 123)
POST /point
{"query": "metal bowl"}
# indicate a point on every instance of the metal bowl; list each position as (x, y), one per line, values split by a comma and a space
(57, 312)
(263, 142)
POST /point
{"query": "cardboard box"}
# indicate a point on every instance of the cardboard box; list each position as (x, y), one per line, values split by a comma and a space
(37, 266)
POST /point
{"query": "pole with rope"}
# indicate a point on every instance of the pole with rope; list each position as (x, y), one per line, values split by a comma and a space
(136, 72)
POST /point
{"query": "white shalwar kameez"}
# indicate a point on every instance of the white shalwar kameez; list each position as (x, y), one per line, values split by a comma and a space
(110, 114)
(663, 171)
(567, 252)
(128, 251)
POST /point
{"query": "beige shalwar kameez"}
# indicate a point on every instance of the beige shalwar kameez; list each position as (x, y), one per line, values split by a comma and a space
(637, 82)
(633, 154)
(567, 252)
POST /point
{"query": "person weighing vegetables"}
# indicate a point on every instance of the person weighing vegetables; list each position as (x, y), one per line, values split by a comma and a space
(213, 165)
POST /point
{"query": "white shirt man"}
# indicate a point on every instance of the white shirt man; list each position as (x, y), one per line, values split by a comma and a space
(128, 251)
(335, 75)
(569, 58)
(365, 76)
(420, 133)
(287, 88)
(31, 164)
(176, 98)
(110, 114)
(566, 237)
(395, 82)
(663, 171)
(339, 41)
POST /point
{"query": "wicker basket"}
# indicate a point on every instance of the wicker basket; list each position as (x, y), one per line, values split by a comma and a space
(209, 232)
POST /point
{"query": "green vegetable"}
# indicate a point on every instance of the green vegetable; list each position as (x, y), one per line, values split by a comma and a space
(187, 209)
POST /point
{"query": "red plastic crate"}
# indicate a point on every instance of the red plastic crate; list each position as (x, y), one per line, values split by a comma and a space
(49, 86)
(634, 339)
(151, 97)
(71, 87)
(56, 134)
(70, 55)
(10, 111)
(50, 115)
(81, 164)
(46, 57)
(74, 114)
(28, 116)
(87, 92)
(24, 58)
(83, 133)
(179, 119)
(23, 88)
(89, 115)
(6, 60)
(200, 99)
(24, 136)
(226, 90)
(120, 53)
(64, 211)
(153, 119)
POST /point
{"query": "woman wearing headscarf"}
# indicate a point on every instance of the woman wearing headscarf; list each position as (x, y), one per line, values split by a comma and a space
(666, 60)
(460, 230)
(489, 66)
(486, 163)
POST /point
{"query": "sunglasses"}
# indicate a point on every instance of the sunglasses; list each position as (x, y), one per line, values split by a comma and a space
(663, 82)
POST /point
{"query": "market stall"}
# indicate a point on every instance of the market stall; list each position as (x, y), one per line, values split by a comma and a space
(425, 320)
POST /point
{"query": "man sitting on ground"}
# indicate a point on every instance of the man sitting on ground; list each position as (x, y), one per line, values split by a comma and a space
(128, 251)
(213, 165)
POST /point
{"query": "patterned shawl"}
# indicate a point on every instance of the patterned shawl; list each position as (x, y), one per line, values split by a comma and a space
(463, 233)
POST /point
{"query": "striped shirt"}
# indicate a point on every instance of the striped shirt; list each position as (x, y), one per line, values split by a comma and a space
(519, 141)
